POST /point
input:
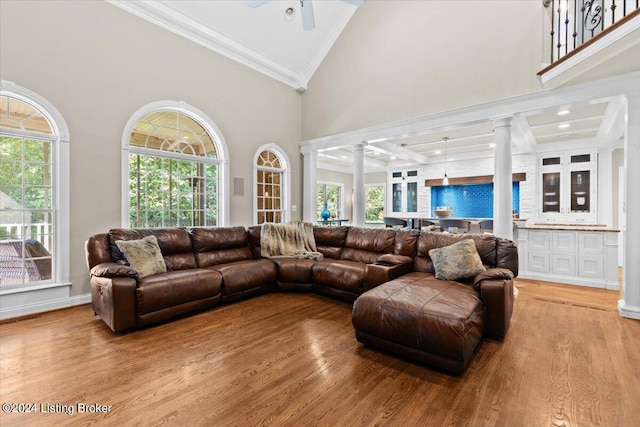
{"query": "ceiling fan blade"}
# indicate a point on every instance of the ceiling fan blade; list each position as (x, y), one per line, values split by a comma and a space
(357, 3)
(306, 12)
(256, 3)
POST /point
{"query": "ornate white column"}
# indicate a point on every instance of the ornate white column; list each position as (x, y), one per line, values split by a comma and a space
(309, 185)
(629, 305)
(502, 180)
(358, 185)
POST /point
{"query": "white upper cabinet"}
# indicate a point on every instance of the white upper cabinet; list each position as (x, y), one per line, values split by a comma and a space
(567, 187)
(404, 188)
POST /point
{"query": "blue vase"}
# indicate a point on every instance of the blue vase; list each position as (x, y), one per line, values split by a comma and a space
(325, 214)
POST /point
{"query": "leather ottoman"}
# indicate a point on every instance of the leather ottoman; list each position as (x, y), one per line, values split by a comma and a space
(435, 322)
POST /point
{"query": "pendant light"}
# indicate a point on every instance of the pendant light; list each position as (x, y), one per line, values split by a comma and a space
(445, 179)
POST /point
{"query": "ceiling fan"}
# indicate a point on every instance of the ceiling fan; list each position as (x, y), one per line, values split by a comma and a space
(306, 10)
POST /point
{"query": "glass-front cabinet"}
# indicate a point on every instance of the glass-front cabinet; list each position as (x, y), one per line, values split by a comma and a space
(567, 187)
(404, 188)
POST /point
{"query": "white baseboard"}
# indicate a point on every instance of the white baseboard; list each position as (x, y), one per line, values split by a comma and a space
(572, 280)
(42, 306)
(630, 311)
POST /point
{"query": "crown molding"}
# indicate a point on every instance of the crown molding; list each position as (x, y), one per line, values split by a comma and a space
(326, 46)
(169, 19)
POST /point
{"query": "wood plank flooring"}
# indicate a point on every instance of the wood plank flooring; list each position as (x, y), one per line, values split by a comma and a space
(292, 359)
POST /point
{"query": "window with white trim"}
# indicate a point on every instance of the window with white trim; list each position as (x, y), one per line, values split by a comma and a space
(330, 195)
(33, 218)
(271, 175)
(174, 169)
(374, 202)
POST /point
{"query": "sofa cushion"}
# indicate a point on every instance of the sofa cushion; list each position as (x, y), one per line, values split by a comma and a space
(405, 242)
(330, 240)
(339, 274)
(433, 321)
(294, 270)
(245, 275)
(143, 255)
(366, 244)
(176, 287)
(174, 243)
(254, 240)
(220, 245)
(457, 261)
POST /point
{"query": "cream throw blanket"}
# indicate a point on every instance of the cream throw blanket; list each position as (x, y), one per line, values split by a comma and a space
(292, 240)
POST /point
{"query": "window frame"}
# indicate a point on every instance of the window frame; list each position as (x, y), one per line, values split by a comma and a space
(202, 119)
(340, 186)
(384, 200)
(60, 187)
(284, 170)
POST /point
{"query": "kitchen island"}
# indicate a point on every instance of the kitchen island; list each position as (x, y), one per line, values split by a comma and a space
(577, 254)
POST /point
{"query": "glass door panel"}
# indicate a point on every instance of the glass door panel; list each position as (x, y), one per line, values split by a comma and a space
(412, 196)
(397, 197)
(580, 192)
(551, 192)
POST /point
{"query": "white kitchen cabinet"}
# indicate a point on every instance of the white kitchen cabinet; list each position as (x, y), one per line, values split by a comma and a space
(404, 191)
(580, 255)
(567, 187)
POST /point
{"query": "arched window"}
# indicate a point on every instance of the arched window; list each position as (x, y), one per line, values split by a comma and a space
(175, 160)
(271, 189)
(34, 191)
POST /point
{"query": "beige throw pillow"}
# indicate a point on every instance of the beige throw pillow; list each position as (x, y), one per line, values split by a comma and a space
(143, 255)
(457, 261)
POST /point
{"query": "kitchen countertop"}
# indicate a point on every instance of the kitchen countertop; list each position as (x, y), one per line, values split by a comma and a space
(570, 227)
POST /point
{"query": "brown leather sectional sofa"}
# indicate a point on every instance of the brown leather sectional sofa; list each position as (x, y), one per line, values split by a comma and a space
(211, 266)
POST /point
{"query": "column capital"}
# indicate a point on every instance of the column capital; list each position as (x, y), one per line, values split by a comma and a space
(307, 150)
(502, 122)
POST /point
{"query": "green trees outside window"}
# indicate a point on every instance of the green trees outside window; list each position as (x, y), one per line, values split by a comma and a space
(374, 210)
(332, 196)
(173, 172)
(166, 192)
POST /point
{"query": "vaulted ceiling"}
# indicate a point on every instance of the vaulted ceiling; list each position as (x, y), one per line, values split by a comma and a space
(270, 39)
(265, 38)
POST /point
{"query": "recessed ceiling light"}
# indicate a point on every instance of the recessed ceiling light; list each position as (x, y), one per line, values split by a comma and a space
(437, 152)
(393, 157)
(563, 112)
(492, 145)
(376, 153)
(564, 126)
(289, 14)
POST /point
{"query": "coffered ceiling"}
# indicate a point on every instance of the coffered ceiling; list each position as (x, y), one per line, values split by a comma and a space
(557, 128)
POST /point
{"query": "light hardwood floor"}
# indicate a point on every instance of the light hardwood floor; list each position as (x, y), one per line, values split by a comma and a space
(292, 359)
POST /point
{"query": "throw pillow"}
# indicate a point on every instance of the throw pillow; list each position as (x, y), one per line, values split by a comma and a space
(457, 261)
(143, 255)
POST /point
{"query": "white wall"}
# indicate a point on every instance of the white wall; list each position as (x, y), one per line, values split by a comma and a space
(98, 64)
(402, 59)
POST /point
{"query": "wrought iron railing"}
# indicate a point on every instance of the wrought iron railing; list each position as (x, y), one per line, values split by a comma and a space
(575, 22)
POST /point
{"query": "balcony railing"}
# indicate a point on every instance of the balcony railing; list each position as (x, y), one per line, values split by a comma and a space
(575, 22)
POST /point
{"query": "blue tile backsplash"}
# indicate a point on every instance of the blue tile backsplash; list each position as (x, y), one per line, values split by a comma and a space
(469, 201)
